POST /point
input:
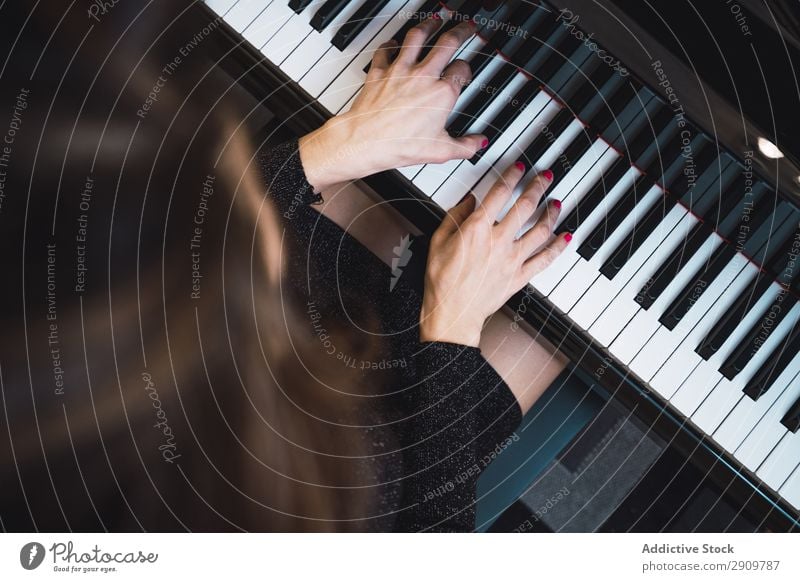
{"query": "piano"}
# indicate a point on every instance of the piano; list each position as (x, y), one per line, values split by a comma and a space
(679, 292)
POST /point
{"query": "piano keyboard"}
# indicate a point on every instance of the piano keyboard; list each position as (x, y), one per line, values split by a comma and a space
(682, 264)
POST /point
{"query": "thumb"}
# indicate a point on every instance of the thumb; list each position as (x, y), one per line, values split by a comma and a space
(464, 147)
(459, 213)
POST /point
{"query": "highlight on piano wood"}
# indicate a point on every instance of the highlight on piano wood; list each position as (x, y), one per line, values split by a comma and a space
(400, 265)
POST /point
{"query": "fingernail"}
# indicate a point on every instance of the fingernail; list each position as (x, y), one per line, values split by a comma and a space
(520, 166)
(437, 16)
(548, 175)
(484, 144)
(568, 237)
(557, 204)
(473, 23)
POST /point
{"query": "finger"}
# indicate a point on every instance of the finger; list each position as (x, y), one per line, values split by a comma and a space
(463, 148)
(458, 74)
(416, 38)
(500, 193)
(383, 56)
(447, 45)
(545, 257)
(542, 230)
(459, 213)
(526, 204)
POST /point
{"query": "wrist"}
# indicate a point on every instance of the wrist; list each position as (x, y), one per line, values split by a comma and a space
(435, 326)
(334, 154)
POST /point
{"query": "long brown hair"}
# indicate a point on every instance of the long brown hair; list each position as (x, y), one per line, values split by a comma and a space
(158, 371)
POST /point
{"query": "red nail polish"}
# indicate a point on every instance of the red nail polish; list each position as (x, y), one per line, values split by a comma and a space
(568, 237)
(437, 16)
(557, 204)
(520, 166)
(548, 175)
(484, 144)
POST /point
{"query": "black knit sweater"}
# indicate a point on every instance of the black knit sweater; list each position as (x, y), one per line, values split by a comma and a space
(449, 410)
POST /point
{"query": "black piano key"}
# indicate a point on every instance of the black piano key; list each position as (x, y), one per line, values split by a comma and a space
(643, 227)
(566, 159)
(594, 197)
(508, 114)
(775, 364)
(429, 7)
(540, 27)
(751, 212)
(656, 131)
(672, 266)
(299, 5)
(780, 268)
(546, 137)
(770, 235)
(626, 120)
(602, 115)
(360, 19)
(615, 217)
(501, 43)
(758, 333)
(791, 420)
(693, 290)
(705, 208)
(658, 154)
(327, 13)
(732, 317)
(658, 159)
(462, 12)
(482, 100)
(724, 215)
(568, 85)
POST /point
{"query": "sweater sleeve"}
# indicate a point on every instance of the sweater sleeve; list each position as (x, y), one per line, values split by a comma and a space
(463, 415)
(285, 178)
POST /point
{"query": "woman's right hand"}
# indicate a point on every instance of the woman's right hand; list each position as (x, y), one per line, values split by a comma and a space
(399, 116)
(476, 263)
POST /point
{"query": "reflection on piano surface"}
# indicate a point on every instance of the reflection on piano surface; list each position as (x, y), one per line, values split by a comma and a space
(684, 264)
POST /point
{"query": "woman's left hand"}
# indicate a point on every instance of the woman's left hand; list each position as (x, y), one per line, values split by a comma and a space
(399, 117)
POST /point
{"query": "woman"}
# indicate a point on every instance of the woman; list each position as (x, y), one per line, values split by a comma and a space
(236, 362)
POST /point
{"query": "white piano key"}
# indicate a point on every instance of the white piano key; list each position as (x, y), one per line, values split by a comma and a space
(267, 23)
(549, 158)
(602, 291)
(546, 281)
(674, 370)
(665, 341)
(540, 110)
(241, 14)
(753, 427)
(290, 35)
(781, 461)
(614, 321)
(349, 81)
(477, 84)
(588, 171)
(434, 175)
(309, 53)
(724, 397)
(790, 491)
(410, 172)
(644, 324)
(222, 7)
(702, 379)
(318, 78)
